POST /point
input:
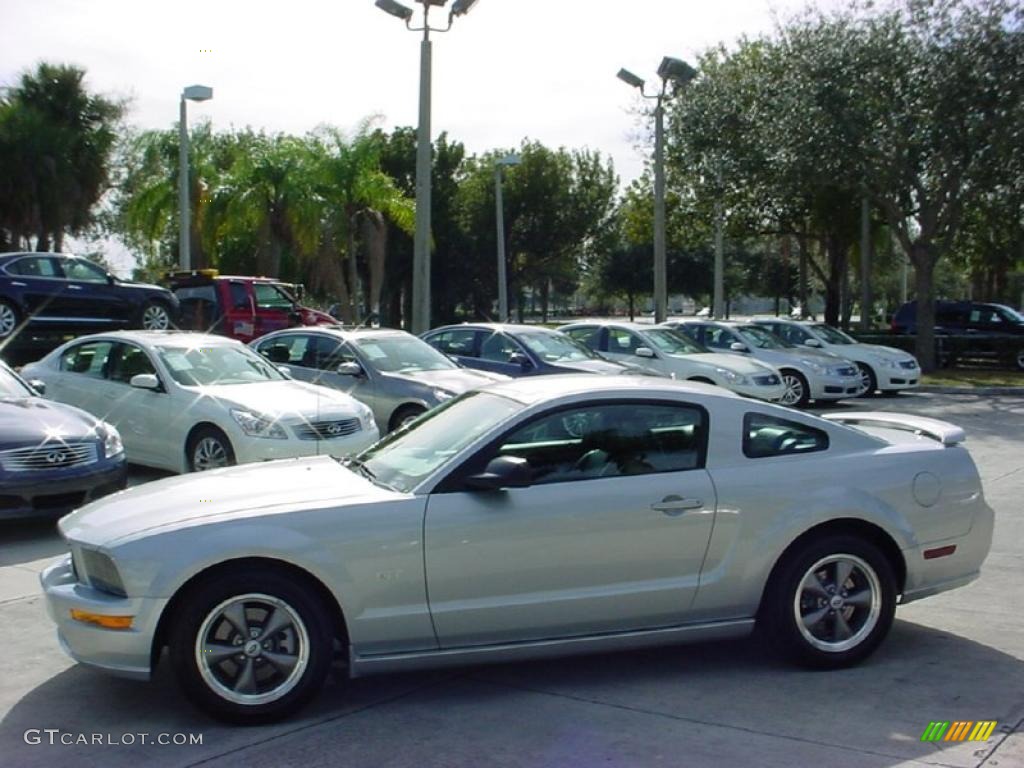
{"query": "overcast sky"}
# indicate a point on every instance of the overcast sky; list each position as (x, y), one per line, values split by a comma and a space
(543, 69)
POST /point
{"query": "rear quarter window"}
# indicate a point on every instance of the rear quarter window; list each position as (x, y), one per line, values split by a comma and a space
(765, 436)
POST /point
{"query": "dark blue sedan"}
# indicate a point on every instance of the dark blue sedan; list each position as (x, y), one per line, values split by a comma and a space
(518, 350)
(53, 457)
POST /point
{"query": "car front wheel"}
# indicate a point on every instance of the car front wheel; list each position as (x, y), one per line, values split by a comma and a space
(251, 646)
(831, 603)
(209, 448)
(868, 381)
(405, 415)
(797, 393)
(8, 318)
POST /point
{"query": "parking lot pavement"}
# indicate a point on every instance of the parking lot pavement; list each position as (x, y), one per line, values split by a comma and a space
(957, 656)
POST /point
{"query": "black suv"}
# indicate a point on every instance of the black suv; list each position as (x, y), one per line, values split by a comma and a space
(59, 292)
(961, 317)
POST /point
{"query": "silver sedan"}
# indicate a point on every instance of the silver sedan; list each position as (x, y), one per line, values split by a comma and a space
(542, 516)
(397, 374)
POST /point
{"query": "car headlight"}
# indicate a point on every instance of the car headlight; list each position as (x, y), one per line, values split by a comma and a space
(442, 394)
(112, 445)
(884, 362)
(258, 425)
(365, 416)
(732, 377)
(101, 572)
(818, 368)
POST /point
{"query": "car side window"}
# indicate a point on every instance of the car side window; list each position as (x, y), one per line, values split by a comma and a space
(269, 296)
(718, 338)
(498, 347)
(454, 342)
(89, 359)
(328, 354)
(35, 266)
(288, 349)
(130, 361)
(239, 296)
(591, 336)
(610, 440)
(83, 271)
(622, 341)
(765, 436)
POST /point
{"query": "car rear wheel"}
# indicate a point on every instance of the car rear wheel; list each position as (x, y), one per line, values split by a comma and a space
(405, 415)
(251, 646)
(797, 393)
(154, 317)
(209, 448)
(1019, 360)
(831, 603)
(8, 318)
(868, 381)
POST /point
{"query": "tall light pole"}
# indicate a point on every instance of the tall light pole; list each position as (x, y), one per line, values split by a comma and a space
(191, 93)
(421, 243)
(500, 217)
(679, 73)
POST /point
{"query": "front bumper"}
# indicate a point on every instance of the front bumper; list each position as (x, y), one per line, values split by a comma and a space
(895, 379)
(123, 652)
(769, 392)
(249, 449)
(55, 492)
(834, 387)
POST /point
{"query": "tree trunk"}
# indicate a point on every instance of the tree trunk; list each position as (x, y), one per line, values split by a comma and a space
(632, 306)
(545, 292)
(924, 274)
(835, 249)
(353, 273)
(375, 235)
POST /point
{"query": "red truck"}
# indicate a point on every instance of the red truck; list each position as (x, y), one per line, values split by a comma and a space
(242, 308)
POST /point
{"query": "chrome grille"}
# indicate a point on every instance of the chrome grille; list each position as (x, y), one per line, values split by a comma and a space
(767, 380)
(327, 430)
(846, 371)
(51, 456)
(908, 364)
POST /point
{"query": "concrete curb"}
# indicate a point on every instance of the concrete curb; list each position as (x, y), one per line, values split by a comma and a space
(937, 390)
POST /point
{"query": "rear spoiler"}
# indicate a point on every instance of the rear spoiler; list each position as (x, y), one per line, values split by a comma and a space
(942, 431)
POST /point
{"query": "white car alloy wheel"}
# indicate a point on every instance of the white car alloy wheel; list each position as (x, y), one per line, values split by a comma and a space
(209, 448)
(795, 393)
(155, 317)
(8, 319)
(838, 603)
(252, 649)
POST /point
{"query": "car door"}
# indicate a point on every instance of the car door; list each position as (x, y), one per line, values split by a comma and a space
(92, 297)
(460, 344)
(610, 536)
(143, 416)
(239, 310)
(40, 284)
(81, 380)
(273, 308)
(500, 353)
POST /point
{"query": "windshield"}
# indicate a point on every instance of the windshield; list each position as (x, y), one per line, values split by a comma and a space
(555, 347)
(11, 385)
(832, 335)
(672, 342)
(220, 364)
(402, 354)
(407, 456)
(1012, 314)
(762, 339)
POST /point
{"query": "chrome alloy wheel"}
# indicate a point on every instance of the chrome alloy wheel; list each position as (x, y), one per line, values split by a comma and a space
(838, 603)
(209, 453)
(794, 389)
(8, 320)
(155, 318)
(252, 649)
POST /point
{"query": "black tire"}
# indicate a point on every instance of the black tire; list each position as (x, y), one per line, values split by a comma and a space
(404, 414)
(1018, 359)
(201, 443)
(792, 592)
(796, 383)
(301, 648)
(868, 378)
(154, 316)
(10, 318)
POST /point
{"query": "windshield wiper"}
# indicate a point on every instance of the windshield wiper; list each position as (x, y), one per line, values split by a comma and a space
(360, 466)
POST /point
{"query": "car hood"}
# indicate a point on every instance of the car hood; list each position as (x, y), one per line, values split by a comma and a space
(455, 380)
(28, 420)
(790, 356)
(591, 366)
(736, 363)
(248, 490)
(889, 353)
(279, 399)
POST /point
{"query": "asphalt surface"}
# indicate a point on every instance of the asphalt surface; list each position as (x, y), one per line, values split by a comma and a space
(956, 656)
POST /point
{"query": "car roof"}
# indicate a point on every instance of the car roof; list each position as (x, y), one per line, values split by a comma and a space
(341, 332)
(534, 389)
(12, 254)
(505, 327)
(157, 338)
(620, 324)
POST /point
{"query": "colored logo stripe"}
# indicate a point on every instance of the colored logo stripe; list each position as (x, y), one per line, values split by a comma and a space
(935, 730)
(983, 730)
(959, 730)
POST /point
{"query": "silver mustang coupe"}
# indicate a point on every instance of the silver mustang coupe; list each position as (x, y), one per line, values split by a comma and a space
(541, 516)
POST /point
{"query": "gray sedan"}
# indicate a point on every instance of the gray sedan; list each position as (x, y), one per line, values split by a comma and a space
(398, 375)
(541, 516)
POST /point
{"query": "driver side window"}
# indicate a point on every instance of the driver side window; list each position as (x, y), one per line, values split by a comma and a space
(610, 440)
(498, 348)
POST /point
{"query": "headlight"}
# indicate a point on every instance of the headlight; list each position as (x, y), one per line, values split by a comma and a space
(732, 377)
(816, 367)
(884, 362)
(258, 425)
(442, 394)
(101, 572)
(365, 416)
(112, 445)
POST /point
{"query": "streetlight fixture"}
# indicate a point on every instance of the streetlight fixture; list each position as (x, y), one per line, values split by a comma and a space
(679, 73)
(191, 93)
(421, 243)
(512, 159)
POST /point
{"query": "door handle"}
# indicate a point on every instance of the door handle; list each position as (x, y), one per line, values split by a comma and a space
(20, 285)
(74, 287)
(675, 505)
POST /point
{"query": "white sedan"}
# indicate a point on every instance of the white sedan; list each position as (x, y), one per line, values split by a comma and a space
(542, 516)
(189, 401)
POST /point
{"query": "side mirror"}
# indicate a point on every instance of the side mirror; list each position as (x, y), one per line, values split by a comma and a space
(644, 352)
(39, 386)
(350, 369)
(518, 358)
(813, 343)
(285, 370)
(738, 347)
(502, 472)
(145, 381)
